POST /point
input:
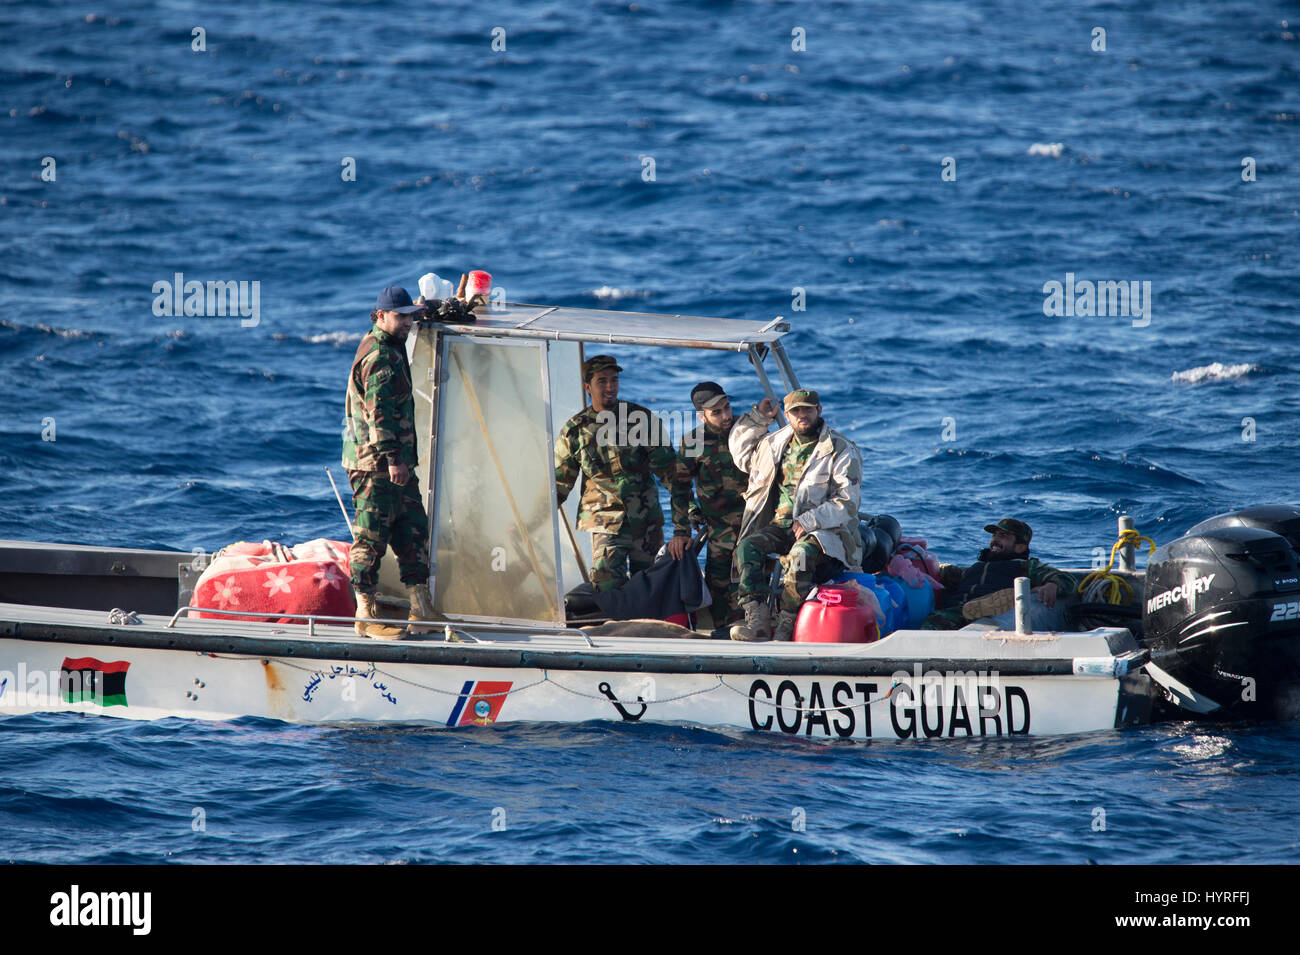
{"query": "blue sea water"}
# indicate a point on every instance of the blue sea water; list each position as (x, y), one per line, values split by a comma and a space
(775, 169)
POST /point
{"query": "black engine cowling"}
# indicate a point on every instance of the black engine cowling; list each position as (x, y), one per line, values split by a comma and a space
(1222, 614)
(1279, 518)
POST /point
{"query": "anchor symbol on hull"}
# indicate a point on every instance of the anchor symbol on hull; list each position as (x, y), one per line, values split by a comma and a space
(622, 710)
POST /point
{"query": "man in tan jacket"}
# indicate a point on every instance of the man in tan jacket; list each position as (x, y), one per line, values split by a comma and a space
(805, 487)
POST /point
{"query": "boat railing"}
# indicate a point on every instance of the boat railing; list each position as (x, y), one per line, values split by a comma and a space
(451, 634)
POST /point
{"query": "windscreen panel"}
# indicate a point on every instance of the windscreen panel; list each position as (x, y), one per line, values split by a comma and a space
(564, 364)
(495, 526)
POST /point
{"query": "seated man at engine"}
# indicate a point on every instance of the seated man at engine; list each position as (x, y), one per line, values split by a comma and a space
(985, 592)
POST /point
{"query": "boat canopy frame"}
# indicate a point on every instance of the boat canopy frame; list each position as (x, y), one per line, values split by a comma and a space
(661, 330)
(650, 329)
(542, 326)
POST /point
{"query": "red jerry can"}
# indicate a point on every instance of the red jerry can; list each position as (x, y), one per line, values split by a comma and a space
(835, 616)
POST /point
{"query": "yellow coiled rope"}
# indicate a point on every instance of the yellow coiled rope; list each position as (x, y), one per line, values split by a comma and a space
(1104, 586)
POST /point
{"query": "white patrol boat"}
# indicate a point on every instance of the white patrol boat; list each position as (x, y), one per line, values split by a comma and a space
(114, 631)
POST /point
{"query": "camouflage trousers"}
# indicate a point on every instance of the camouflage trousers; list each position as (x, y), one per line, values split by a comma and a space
(804, 558)
(614, 556)
(717, 574)
(388, 515)
(950, 619)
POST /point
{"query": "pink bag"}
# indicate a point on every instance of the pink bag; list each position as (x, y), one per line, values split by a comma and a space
(914, 564)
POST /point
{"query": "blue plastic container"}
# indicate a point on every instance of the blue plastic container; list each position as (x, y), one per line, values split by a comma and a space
(889, 595)
(919, 601)
(897, 597)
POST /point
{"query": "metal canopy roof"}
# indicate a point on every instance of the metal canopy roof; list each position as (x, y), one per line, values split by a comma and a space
(513, 320)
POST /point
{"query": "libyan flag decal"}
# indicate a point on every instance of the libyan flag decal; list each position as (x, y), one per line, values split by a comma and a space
(87, 680)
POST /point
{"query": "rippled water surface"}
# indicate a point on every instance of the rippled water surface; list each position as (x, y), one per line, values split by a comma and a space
(775, 169)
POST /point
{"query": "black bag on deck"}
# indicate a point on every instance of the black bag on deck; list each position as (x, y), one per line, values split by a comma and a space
(666, 588)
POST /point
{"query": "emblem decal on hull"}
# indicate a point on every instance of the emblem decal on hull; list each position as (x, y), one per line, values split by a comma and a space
(628, 717)
(479, 703)
(87, 680)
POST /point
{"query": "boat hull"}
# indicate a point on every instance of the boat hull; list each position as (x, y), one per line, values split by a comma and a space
(221, 677)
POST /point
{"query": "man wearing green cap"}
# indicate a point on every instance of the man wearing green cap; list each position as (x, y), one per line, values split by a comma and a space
(986, 589)
(805, 488)
(616, 446)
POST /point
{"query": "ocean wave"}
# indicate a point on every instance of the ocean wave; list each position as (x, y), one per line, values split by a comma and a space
(70, 333)
(1217, 371)
(336, 339)
(1052, 150)
(608, 294)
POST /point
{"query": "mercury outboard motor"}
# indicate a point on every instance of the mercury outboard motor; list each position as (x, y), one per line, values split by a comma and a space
(1222, 615)
(1279, 518)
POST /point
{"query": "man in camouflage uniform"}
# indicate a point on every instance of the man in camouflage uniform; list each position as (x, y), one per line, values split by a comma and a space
(985, 590)
(802, 499)
(718, 503)
(615, 445)
(379, 454)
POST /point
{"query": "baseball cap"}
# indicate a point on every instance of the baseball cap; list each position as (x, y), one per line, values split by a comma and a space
(598, 363)
(707, 394)
(1017, 529)
(801, 398)
(395, 299)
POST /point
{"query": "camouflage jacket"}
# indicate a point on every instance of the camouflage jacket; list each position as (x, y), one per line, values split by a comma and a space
(829, 494)
(379, 415)
(616, 452)
(719, 499)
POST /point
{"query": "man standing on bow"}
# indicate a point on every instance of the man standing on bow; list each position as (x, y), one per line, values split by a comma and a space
(379, 454)
(805, 488)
